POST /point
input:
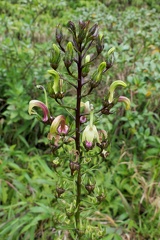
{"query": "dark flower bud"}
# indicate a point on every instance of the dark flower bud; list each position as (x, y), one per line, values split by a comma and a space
(72, 27)
(83, 27)
(59, 35)
(101, 198)
(99, 44)
(68, 58)
(60, 191)
(55, 57)
(90, 188)
(93, 32)
(74, 166)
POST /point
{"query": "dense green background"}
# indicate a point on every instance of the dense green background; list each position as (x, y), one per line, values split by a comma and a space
(27, 33)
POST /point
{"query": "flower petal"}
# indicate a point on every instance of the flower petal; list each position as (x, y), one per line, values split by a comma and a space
(113, 87)
(36, 103)
(59, 125)
(126, 101)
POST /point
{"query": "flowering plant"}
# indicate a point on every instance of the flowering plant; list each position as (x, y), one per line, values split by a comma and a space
(80, 129)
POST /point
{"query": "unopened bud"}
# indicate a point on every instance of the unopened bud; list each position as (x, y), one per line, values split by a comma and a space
(71, 27)
(101, 198)
(85, 69)
(60, 191)
(111, 50)
(99, 44)
(55, 57)
(74, 166)
(90, 188)
(68, 59)
(59, 35)
(93, 32)
(97, 75)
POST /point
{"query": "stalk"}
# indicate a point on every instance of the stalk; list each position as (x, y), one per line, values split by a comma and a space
(77, 140)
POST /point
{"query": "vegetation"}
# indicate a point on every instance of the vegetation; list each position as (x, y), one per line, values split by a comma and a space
(129, 176)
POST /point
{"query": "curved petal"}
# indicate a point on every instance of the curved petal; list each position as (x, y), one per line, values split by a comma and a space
(59, 125)
(126, 101)
(36, 103)
(113, 87)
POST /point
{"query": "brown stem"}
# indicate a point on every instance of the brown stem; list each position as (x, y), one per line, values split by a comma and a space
(77, 139)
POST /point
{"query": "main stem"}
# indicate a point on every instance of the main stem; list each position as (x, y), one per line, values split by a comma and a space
(77, 140)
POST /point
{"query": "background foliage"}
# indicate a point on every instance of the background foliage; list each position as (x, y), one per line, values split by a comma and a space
(130, 174)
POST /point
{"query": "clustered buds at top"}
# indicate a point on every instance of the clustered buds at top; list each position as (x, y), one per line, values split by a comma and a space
(112, 88)
(126, 101)
(83, 27)
(68, 58)
(55, 57)
(36, 103)
(58, 83)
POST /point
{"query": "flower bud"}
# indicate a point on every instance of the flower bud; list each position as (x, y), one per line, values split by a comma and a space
(59, 35)
(55, 57)
(83, 27)
(90, 188)
(85, 69)
(71, 27)
(93, 32)
(97, 75)
(68, 58)
(101, 198)
(60, 191)
(55, 163)
(83, 119)
(111, 50)
(74, 166)
(56, 80)
(99, 44)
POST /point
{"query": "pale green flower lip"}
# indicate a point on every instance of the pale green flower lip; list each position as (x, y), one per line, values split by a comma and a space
(90, 134)
(113, 87)
(36, 103)
(126, 101)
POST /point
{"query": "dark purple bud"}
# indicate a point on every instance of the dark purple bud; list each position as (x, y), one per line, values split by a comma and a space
(90, 188)
(71, 27)
(74, 166)
(101, 198)
(59, 34)
(60, 191)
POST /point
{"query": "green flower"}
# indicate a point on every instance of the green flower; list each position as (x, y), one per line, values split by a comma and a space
(112, 88)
